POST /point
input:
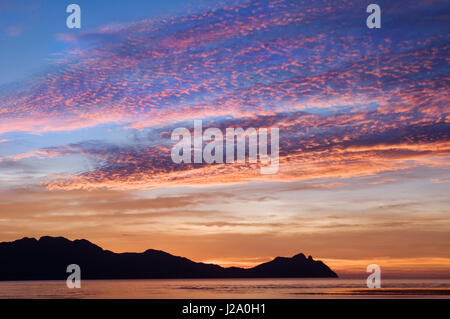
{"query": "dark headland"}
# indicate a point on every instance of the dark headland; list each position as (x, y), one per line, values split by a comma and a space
(48, 258)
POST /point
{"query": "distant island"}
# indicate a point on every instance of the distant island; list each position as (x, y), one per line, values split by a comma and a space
(48, 257)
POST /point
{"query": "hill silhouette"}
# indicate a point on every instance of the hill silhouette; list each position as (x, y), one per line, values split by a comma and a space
(48, 257)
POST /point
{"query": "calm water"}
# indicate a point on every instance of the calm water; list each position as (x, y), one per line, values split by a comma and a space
(226, 288)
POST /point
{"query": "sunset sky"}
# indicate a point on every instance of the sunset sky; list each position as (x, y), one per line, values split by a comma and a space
(364, 117)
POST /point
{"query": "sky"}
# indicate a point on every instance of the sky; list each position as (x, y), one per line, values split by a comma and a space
(86, 117)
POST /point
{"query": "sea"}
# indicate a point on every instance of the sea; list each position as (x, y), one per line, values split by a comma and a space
(267, 288)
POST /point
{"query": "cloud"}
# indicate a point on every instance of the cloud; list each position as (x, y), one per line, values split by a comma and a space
(344, 146)
(251, 59)
(14, 30)
(347, 103)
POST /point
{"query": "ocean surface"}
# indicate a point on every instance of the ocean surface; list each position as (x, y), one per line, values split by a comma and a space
(229, 288)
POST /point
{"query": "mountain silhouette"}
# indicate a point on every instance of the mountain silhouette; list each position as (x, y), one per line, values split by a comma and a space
(48, 258)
